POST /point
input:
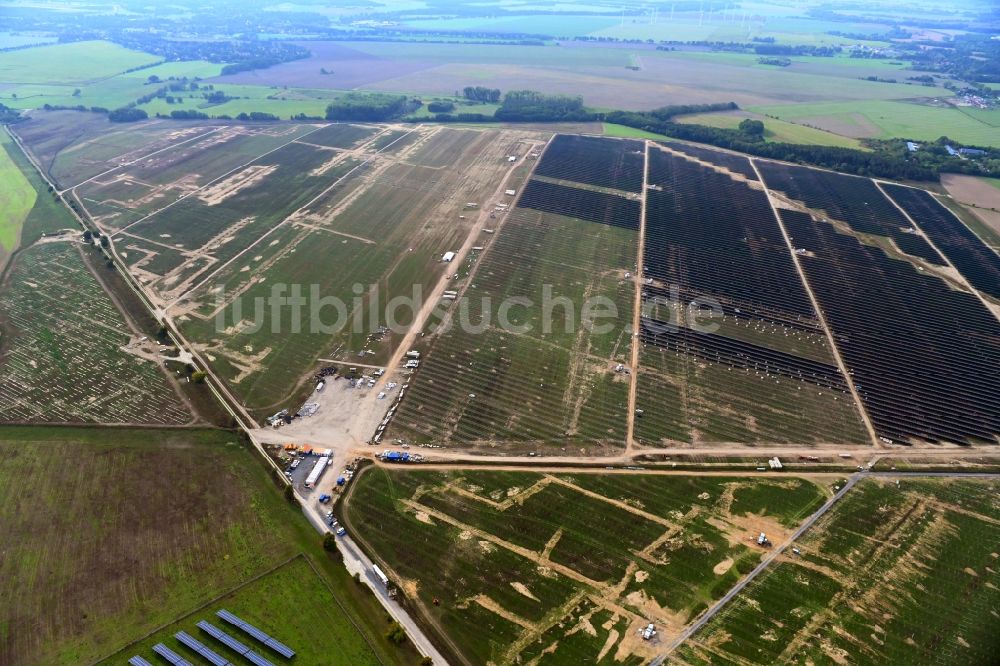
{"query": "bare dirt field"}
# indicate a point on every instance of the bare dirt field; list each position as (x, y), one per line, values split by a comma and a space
(350, 68)
(977, 194)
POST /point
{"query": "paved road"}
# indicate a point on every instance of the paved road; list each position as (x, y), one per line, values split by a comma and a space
(764, 563)
(357, 562)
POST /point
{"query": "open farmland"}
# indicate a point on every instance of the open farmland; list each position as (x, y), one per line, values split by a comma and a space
(774, 129)
(17, 198)
(69, 355)
(534, 372)
(519, 567)
(895, 573)
(162, 521)
(915, 119)
(922, 350)
(634, 77)
(69, 64)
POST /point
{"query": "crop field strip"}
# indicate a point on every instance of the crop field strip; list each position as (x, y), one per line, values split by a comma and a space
(566, 567)
(502, 385)
(979, 264)
(65, 360)
(925, 358)
(849, 596)
(766, 373)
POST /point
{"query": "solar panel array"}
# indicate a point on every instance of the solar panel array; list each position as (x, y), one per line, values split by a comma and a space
(256, 633)
(233, 644)
(138, 661)
(200, 648)
(170, 655)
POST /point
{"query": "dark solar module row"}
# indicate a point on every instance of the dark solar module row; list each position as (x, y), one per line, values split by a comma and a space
(712, 236)
(924, 358)
(851, 199)
(588, 205)
(256, 633)
(199, 647)
(233, 644)
(735, 163)
(740, 354)
(614, 163)
(979, 264)
(778, 317)
(170, 656)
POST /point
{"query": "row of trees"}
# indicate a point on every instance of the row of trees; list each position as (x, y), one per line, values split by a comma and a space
(481, 94)
(372, 107)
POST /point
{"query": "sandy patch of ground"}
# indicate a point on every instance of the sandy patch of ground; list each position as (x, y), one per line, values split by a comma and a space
(982, 198)
(423, 517)
(641, 576)
(215, 194)
(723, 566)
(609, 643)
(523, 589)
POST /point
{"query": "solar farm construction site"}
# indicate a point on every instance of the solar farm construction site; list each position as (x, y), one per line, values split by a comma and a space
(653, 395)
(738, 301)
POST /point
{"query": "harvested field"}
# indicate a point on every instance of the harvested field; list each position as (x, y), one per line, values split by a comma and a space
(162, 521)
(982, 197)
(566, 566)
(893, 574)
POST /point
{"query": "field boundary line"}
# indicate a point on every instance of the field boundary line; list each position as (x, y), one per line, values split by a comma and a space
(326, 584)
(961, 276)
(633, 387)
(202, 607)
(848, 379)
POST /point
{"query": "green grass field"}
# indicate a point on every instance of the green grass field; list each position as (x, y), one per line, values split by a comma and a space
(75, 63)
(162, 522)
(887, 118)
(774, 130)
(568, 565)
(893, 574)
(17, 198)
(293, 603)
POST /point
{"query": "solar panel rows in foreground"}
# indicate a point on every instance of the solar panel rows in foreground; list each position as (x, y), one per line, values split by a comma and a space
(256, 633)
